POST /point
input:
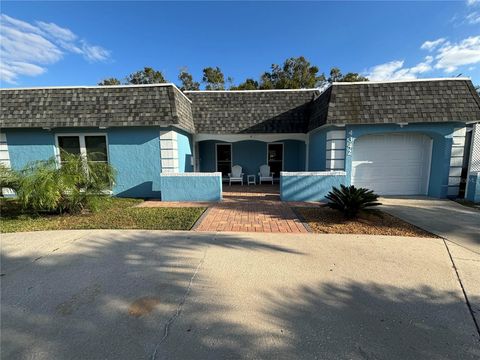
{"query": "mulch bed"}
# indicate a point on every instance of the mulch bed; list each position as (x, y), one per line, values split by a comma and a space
(328, 221)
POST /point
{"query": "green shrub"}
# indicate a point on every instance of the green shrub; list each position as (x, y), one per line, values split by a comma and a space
(351, 200)
(72, 187)
(8, 178)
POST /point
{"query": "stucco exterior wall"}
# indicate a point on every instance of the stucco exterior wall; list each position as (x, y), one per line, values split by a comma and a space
(309, 186)
(191, 186)
(317, 150)
(473, 187)
(25, 146)
(133, 152)
(185, 151)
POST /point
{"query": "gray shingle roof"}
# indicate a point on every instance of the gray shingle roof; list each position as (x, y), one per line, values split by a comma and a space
(227, 112)
(159, 105)
(394, 102)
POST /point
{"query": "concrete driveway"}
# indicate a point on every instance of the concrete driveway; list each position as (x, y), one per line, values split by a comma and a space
(184, 295)
(458, 225)
(446, 218)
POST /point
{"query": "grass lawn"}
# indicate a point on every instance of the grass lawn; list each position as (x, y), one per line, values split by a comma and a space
(328, 221)
(114, 213)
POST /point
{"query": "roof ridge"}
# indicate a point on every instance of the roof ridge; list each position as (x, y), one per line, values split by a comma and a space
(88, 86)
(402, 81)
(251, 91)
(474, 93)
(121, 86)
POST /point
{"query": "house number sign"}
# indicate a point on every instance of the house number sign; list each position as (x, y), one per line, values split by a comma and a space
(349, 145)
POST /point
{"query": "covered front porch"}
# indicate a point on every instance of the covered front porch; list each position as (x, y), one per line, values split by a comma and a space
(219, 153)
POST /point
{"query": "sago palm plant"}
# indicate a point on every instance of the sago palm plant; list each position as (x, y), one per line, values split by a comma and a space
(351, 200)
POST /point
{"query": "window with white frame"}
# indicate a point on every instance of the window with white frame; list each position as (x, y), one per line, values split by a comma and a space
(92, 147)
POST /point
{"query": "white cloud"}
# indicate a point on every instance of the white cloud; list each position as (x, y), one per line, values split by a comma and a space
(23, 46)
(56, 31)
(446, 56)
(27, 49)
(472, 2)
(18, 24)
(394, 70)
(94, 53)
(9, 71)
(431, 45)
(451, 56)
(473, 18)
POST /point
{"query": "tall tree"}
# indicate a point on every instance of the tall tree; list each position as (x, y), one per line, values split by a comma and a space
(109, 81)
(187, 80)
(337, 76)
(146, 76)
(295, 73)
(213, 78)
(248, 84)
(353, 77)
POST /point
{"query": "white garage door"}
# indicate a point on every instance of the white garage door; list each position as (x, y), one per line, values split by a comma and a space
(392, 164)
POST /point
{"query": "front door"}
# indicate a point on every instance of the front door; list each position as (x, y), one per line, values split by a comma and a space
(224, 159)
(275, 158)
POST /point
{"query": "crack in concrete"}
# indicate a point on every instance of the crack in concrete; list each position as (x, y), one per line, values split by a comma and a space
(467, 301)
(172, 319)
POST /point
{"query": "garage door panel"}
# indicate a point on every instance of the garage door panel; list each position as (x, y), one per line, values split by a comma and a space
(392, 164)
(371, 171)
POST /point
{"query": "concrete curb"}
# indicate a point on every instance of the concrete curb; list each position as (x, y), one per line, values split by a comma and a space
(302, 219)
(200, 219)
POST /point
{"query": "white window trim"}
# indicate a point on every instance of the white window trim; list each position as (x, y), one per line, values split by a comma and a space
(283, 153)
(83, 149)
(216, 155)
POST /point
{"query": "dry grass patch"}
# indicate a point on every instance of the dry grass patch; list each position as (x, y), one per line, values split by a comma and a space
(328, 221)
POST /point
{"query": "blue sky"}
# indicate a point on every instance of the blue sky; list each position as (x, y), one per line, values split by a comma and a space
(80, 43)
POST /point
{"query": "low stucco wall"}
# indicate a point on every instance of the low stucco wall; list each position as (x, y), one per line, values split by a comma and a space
(191, 186)
(473, 187)
(309, 186)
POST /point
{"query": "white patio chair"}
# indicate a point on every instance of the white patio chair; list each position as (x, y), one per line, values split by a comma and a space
(236, 175)
(265, 174)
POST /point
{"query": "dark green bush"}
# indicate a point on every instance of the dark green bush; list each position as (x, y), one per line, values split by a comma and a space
(351, 200)
(71, 187)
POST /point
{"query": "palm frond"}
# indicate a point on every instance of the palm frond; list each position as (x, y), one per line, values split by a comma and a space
(66, 187)
(351, 200)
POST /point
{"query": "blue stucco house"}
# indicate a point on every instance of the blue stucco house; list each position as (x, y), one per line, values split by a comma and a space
(411, 137)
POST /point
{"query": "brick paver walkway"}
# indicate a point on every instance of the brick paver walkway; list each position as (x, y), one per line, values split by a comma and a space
(251, 209)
